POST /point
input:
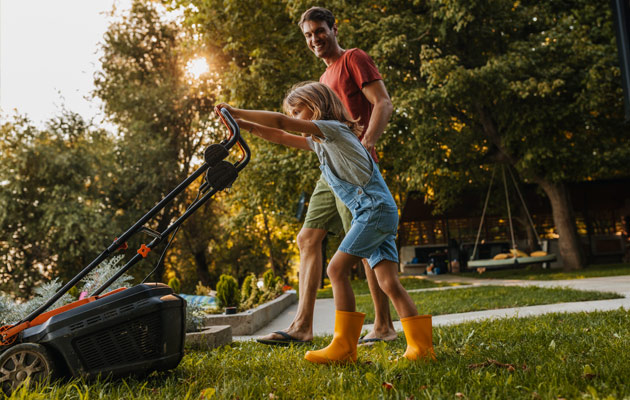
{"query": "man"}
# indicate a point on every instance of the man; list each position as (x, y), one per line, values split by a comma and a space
(355, 79)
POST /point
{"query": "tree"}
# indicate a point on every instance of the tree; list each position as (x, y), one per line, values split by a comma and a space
(54, 209)
(528, 84)
(534, 85)
(164, 117)
(256, 73)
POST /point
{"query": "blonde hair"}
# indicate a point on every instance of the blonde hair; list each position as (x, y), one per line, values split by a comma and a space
(322, 101)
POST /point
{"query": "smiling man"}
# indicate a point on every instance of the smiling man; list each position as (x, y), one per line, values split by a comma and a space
(355, 79)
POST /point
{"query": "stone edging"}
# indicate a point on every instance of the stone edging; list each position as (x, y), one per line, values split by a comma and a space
(210, 337)
(250, 321)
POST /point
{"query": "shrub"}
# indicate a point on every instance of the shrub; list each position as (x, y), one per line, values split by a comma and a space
(272, 287)
(228, 294)
(250, 285)
(195, 316)
(11, 312)
(246, 289)
(175, 284)
(268, 279)
(201, 290)
(103, 273)
(252, 295)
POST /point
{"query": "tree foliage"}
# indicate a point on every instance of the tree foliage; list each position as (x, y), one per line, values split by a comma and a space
(55, 209)
(256, 73)
(534, 85)
(165, 118)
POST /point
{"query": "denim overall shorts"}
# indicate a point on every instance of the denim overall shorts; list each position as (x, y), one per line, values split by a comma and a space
(372, 234)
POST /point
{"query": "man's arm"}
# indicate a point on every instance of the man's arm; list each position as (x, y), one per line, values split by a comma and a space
(376, 93)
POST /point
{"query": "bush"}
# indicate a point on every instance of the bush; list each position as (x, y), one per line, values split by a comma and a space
(252, 295)
(228, 294)
(268, 279)
(195, 316)
(12, 311)
(250, 286)
(272, 287)
(201, 290)
(246, 289)
(106, 270)
(175, 284)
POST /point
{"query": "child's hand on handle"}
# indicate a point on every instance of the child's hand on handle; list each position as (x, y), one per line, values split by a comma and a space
(234, 112)
(231, 110)
(270, 126)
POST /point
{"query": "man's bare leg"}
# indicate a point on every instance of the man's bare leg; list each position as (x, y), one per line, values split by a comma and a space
(310, 244)
(383, 325)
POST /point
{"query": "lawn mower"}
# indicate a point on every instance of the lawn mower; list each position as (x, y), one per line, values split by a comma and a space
(126, 331)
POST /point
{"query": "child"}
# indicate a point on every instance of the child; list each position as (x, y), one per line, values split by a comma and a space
(328, 129)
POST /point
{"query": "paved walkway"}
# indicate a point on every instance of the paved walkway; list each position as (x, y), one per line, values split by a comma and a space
(324, 320)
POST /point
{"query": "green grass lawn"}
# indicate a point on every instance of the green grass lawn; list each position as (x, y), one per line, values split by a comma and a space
(479, 298)
(571, 356)
(537, 273)
(361, 287)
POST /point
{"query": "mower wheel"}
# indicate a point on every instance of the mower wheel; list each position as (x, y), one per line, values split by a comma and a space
(22, 361)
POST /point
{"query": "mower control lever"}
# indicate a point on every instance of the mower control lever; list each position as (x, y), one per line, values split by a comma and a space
(151, 232)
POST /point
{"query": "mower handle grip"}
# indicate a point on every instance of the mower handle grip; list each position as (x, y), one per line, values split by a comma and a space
(235, 136)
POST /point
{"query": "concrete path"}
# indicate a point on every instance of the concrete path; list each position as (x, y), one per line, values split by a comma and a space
(324, 318)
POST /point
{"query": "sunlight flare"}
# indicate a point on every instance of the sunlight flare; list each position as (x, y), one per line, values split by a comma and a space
(197, 67)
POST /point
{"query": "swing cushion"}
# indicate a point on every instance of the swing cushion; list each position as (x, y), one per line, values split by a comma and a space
(518, 253)
(502, 256)
(538, 253)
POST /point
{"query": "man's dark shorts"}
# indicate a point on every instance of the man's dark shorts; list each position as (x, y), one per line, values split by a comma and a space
(326, 211)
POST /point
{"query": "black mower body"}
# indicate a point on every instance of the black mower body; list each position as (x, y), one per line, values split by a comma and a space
(133, 331)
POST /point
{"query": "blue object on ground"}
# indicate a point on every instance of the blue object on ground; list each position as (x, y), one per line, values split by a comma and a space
(204, 301)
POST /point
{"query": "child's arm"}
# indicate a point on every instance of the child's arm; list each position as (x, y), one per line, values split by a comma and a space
(275, 120)
(274, 135)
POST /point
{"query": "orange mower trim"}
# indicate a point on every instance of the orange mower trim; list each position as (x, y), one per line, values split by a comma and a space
(9, 333)
(144, 250)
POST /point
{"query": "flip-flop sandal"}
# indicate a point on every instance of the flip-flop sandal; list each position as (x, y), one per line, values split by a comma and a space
(284, 341)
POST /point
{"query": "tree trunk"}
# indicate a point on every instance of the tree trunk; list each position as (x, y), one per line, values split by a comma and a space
(269, 242)
(201, 266)
(564, 219)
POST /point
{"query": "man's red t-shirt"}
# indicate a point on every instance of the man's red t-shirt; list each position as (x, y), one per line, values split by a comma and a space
(346, 77)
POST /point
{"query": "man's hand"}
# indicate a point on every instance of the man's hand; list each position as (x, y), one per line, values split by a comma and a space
(368, 144)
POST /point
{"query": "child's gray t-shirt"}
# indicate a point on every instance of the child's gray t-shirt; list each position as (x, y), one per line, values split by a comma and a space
(342, 151)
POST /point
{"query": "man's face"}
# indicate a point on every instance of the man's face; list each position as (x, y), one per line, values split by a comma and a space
(321, 39)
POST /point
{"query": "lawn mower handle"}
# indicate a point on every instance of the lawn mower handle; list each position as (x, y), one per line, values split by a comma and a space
(231, 124)
(235, 137)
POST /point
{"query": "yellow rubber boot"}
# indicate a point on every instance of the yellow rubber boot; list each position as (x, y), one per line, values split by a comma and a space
(343, 348)
(419, 334)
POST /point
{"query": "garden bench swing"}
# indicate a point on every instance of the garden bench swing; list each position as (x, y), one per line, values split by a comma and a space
(515, 258)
